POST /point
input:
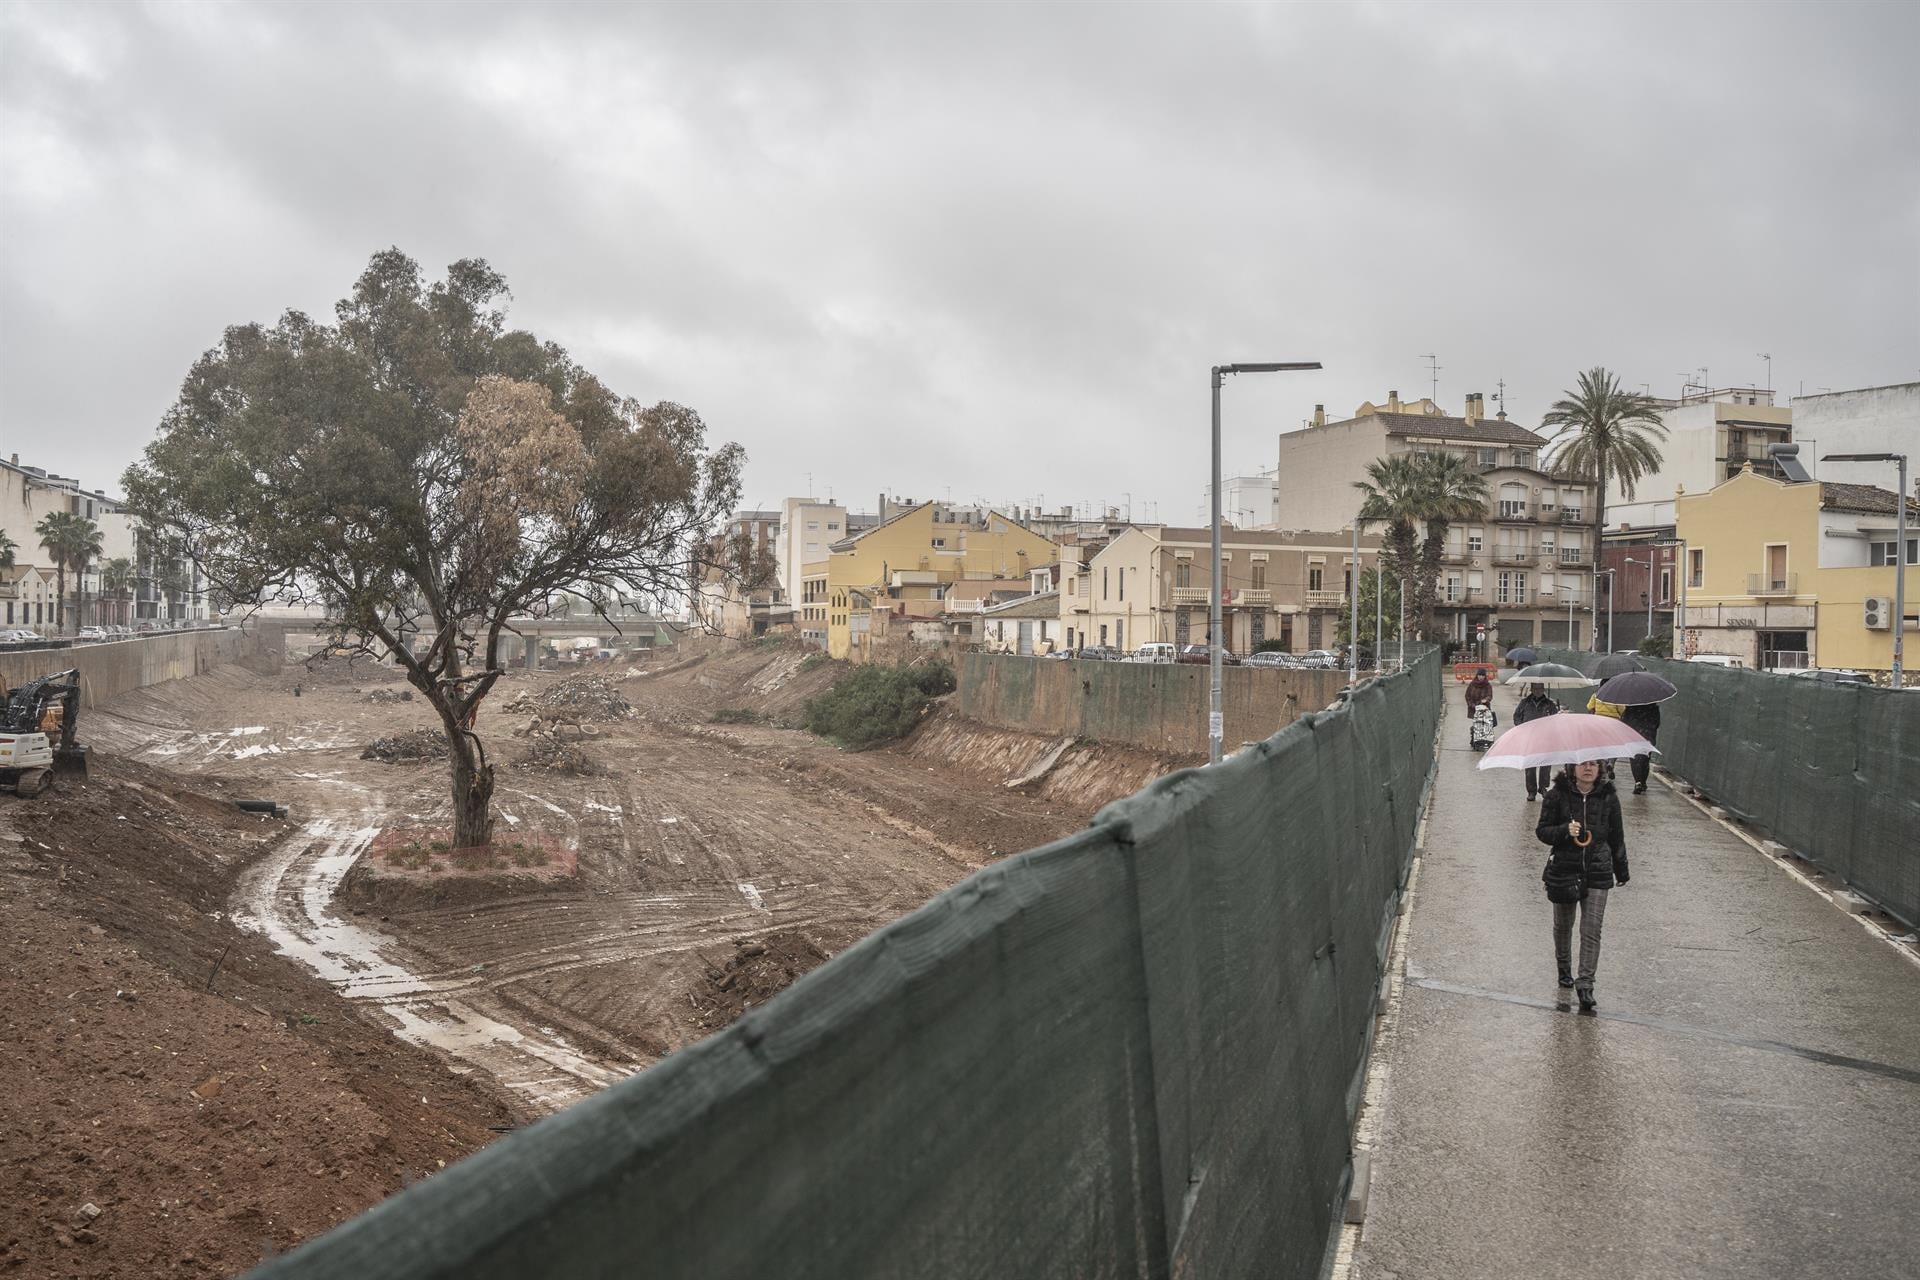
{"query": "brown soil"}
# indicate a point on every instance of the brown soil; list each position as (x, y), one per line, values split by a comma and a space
(758, 969)
(692, 845)
(416, 868)
(210, 1117)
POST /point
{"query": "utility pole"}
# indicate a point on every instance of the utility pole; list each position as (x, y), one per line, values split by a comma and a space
(1403, 624)
(1353, 609)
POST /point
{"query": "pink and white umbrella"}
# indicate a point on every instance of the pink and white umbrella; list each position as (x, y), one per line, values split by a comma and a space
(1564, 739)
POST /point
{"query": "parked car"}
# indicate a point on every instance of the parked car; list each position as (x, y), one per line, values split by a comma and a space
(1320, 658)
(92, 633)
(19, 635)
(1156, 651)
(1100, 653)
(1717, 660)
(1203, 654)
(1832, 675)
(1272, 658)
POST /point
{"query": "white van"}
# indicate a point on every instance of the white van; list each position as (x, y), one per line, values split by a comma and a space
(1154, 652)
(1717, 660)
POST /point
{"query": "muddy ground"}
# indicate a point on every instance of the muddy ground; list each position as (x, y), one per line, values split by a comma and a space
(352, 1041)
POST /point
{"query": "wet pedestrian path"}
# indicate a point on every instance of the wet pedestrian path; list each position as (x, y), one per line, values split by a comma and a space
(1747, 1102)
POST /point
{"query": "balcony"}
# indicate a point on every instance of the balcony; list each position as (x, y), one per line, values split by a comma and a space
(1190, 595)
(1561, 599)
(1454, 555)
(1514, 513)
(1575, 556)
(1326, 599)
(1571, 515)
(1513, 556)
(1253, 597)
(1768, 584)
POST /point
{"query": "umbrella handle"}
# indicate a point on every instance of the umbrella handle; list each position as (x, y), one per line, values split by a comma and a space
(1584, 839)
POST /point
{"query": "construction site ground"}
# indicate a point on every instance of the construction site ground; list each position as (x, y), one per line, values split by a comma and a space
(226, 1032)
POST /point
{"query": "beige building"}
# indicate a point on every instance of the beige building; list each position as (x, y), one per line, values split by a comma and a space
(1524, 571)
(1152, 583)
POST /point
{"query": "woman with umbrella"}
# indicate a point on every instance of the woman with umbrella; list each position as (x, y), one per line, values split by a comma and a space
(1579, 821)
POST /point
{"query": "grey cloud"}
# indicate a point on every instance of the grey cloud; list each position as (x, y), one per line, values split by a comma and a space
(991, 248)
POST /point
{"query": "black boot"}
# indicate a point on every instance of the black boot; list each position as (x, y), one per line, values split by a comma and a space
(1566, 976)
(1586, 999)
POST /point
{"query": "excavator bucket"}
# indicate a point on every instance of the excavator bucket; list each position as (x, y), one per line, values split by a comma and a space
(70, 762)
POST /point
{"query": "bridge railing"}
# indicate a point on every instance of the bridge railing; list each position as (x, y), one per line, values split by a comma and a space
(1830, 770)
(1135, 1052)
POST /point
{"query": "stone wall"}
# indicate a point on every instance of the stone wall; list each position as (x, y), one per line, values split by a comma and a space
(119, 666)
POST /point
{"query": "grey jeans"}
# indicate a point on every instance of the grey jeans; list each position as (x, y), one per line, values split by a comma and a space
(1593, 910)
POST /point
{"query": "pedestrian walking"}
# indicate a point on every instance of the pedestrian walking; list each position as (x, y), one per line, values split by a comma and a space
(1536, 704)
(1480, 694)
(1580, 822)
(1645, 721)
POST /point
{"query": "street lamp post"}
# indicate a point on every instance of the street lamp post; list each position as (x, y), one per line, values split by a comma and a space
(1353, 609)
(1899, 550)
(1403, 624)
(1648, 562)
(1596, 608)
(1216, 719)
(1379, 603)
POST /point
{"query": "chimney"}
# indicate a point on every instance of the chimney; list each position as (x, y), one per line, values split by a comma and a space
(1475, 409)
(1319, 415)
(1393, 402)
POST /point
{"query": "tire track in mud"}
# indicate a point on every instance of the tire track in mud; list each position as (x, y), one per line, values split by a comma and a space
(288, 896)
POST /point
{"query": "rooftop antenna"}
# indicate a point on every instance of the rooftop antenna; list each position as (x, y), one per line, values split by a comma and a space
(1768, 357)
(1433, 362)
(1500, 393)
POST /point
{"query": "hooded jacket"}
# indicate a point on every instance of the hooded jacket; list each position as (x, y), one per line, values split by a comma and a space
(1479, 690)
(1603, 862)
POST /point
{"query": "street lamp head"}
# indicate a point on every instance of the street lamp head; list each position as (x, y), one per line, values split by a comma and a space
(1863, 457)
(1270, 368)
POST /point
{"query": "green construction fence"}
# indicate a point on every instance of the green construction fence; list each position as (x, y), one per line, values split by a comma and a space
(1832, 771)
(1134, 1052)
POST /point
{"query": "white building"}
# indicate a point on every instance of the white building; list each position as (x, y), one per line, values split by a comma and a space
(28, 495)
(1247, 502)
(1868, 420)
(1710, 436)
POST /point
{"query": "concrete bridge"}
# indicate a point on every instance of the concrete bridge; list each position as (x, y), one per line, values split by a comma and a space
(282, 633)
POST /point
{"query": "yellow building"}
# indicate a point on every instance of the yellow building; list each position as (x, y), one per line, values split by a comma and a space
(1783, 574)
(905, 566)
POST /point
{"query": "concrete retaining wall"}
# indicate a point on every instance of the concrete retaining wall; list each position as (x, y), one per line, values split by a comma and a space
(1157, 706)
(119, 666)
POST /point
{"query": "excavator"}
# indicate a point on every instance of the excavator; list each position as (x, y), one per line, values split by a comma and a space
(37, 721)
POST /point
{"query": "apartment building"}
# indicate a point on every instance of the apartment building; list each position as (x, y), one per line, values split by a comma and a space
(1152, 583)
(1525, 571)
(1710, 436)
(905, 566)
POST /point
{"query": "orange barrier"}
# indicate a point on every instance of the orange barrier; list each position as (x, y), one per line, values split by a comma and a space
(1464, 671)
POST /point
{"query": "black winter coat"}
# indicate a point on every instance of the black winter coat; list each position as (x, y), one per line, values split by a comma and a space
(1533, 706)
(1644, 720)
(1605, 860)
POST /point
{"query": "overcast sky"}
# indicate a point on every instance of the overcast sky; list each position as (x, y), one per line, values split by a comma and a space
(982, 250)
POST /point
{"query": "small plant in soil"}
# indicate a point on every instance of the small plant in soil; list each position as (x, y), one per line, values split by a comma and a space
(736, 715)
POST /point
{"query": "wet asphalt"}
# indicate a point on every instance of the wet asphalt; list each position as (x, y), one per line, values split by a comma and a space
(1747, 1102)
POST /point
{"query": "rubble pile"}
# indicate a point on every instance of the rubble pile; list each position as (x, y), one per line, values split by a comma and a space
(580, 698)
(555, 744)
(418, 747)
(390, 695)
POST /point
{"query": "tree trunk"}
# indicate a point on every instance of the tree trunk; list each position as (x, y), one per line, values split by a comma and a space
(472, 793)
(1599, 530)
(1427, 586)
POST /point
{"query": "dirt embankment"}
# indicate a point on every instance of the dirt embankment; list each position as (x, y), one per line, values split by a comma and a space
(178, 1098)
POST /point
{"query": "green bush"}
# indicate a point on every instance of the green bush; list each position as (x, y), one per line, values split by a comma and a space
(1658, 645)
(1271, 646)
(873, 705)
(735, 715)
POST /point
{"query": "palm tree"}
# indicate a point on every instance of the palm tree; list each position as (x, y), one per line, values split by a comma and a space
(1604, 432)
(116, 577)
(7, 547)
(83, 548)
(1395, 497)
(54, 536)
(1452, 489)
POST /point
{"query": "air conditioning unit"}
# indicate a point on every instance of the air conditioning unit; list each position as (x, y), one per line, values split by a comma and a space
(1879, 613)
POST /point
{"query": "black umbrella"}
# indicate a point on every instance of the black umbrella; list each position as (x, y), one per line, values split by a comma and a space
(1616, 664)
(1522, 655)
(1636, 689)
